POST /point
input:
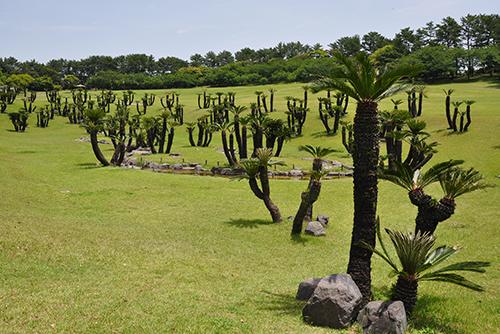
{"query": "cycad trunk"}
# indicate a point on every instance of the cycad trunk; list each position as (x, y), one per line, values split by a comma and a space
(365, 159)
(225, 147)
(430, 212)
(266, 190)
(448, 111)
(308, 198)
(244, 140)
(467, 124)
(97, 151)
(119, 153)
(454, 120)
(406, 291)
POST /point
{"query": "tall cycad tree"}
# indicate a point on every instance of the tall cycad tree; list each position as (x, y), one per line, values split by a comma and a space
(224, 129)
(468, 103)
(311, 194)
(237, 111)
(93, 122)
(417, 261)
(447, 105)
(359, 79)
(257, 168)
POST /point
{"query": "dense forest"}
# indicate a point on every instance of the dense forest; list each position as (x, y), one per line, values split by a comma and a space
(448, 50)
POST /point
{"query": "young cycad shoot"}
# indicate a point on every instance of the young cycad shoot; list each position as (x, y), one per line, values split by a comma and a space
(417, 261)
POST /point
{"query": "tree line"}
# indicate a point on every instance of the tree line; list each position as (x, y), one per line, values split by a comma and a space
(447, 50)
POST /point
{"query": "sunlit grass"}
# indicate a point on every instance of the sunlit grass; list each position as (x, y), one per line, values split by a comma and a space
(90, 249)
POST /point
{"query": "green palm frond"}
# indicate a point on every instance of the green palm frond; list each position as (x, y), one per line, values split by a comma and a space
(453, 279)
(459, 181)
(238, 109)
(412, 250)
(93, 119)
(360, 79)
(403, 175)
(250, 166)
(317, 152)
(448, 92)
(416, 257)
(264, 157)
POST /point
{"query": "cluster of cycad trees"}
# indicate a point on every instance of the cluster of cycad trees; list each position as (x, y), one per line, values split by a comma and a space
(360, 80)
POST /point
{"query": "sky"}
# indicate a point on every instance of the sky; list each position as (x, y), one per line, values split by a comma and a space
(50, 29)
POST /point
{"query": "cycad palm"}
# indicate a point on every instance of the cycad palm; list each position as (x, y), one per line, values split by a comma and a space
(258, 168)
(447, 103)
(359, 79)
(93, 122)
(311, 194)
(417, 262)
(454, 182)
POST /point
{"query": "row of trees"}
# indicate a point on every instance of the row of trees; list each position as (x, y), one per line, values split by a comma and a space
(447, 49)
(438, 63)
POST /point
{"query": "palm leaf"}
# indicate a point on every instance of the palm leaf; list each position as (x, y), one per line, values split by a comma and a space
(453, 279)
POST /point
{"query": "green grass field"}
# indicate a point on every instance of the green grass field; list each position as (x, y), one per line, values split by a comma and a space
(85, 249)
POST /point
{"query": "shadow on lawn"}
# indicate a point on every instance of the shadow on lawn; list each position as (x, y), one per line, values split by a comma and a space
(299, 239)
(282, 304)
(248, 223)
(425, 316)
(88, 165)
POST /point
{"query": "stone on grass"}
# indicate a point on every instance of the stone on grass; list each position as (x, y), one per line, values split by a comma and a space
(306, 288)
(315, 228)
(323, 219)
(296, 173)
(334, 303)
(387, 317)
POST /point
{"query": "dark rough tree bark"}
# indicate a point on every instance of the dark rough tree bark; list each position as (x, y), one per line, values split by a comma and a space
(359, 79)
(96, 149)
(447, 104)
(308, 197)
(257, 168)
(365, 161)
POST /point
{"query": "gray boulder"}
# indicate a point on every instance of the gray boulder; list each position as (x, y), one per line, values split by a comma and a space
(306, 288)
(315, 228)
(296, 173)
(334, 303)
(177, 166)
(323, 219)
(383, 317)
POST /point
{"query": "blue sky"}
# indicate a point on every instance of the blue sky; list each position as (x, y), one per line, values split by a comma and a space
(47, 29)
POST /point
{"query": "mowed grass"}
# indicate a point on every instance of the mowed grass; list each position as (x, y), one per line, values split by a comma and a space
(85, 249)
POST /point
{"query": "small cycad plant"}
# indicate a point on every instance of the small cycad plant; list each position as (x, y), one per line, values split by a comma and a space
(257, 169)
(417, 261)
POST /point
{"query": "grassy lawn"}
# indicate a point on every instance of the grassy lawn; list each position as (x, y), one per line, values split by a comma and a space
(85, 249)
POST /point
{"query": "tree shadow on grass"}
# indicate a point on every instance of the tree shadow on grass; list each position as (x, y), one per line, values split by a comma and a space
(88, 165)
(280, 303)
(248, 223)
(493, 82)
(322, 134)
(425, 316)
(299, 239)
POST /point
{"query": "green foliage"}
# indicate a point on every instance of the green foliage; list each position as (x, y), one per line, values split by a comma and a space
(317, 152)
(416, 259)
(457, 181)
(403, 176)
(19, 81)
(359, 79)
